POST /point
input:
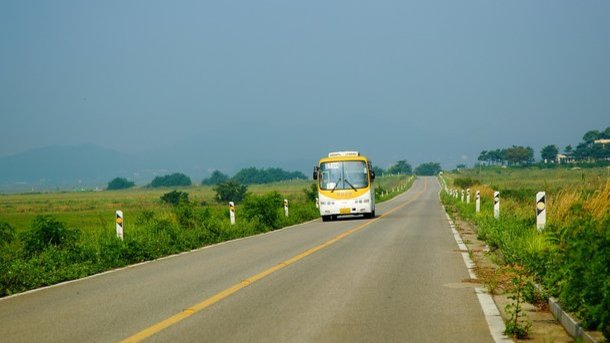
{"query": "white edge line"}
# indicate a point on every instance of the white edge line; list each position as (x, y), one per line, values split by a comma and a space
(490, 309)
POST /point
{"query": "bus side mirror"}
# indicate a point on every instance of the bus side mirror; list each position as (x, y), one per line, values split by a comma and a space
(315, 172)
(372, 175)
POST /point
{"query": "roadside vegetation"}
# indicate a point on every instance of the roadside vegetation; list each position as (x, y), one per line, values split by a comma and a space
(570, 258)
(54, 237)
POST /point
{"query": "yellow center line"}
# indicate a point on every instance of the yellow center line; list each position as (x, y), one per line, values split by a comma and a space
(155, 328)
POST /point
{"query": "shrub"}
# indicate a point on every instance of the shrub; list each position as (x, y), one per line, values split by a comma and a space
(191, 217)
(175, 197)
(263, 208)
(47, 231)
(120, 183)
(230, 191)
(311, 193)
(465, 182)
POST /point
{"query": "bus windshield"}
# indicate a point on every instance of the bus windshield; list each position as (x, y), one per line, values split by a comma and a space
(343, 175)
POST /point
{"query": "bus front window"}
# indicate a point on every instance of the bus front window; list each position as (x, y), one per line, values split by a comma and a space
(343, 175)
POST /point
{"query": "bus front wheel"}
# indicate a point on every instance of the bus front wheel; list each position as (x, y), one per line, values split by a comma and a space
(326, 218)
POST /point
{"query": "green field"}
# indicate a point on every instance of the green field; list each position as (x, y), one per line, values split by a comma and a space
(571, 256)
(53, 237)
(542, 179)
(94, 210)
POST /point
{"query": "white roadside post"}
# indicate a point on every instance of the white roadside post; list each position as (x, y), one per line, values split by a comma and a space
(497, 205)
(119, 224)
(232, 212)
(286, 207)
(478, 202)
(462, 195)
(540, 210)
(468, 196)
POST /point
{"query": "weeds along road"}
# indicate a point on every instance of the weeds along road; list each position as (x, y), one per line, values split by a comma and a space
(395, 278)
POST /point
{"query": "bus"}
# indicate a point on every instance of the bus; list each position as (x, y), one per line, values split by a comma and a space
(345, 185)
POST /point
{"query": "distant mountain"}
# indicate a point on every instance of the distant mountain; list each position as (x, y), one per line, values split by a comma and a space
(65, 167)
(286, 145)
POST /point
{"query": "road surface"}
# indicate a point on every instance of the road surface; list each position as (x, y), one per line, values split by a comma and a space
(397, 278)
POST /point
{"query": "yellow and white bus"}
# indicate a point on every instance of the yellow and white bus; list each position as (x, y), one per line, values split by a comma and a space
(345, 185)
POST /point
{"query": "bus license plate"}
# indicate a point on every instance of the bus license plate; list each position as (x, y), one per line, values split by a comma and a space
(345, 211)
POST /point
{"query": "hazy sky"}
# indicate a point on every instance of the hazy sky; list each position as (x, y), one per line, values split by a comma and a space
(445, 79)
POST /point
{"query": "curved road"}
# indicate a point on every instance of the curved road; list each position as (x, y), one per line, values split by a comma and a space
(397, 278)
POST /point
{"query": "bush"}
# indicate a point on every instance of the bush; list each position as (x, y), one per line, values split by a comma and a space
(230, 191)
(311, 193)
(264, 209)
(120, 183)
(175, 197)
(465, 182)
(586, 269)
(172, 180)
(7, 233)
(47, 231)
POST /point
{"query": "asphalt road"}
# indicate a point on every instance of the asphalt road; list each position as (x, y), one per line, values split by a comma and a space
(397, 278)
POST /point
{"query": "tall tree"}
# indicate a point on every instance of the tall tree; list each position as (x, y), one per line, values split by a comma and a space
(549, 153)
(483, 156)
(214, 179)
(401, 167)
(119, 183)
(430, 168)
(519, 155)
(590, 136)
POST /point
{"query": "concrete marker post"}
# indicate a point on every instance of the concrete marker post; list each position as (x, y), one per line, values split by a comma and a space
(462, 195)
(468, 195)
(540, 211)
(119, 224)
(232, 212)
(478, 201)
(286, 207)
(497, 205)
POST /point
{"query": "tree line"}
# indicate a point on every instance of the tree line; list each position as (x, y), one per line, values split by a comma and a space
(252, 175)
(595, 146)
(403, 167)
(245, 176)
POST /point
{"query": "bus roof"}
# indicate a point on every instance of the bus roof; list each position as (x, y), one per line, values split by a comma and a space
(344, 156)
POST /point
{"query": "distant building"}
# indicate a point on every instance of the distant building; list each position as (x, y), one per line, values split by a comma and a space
(602, 141)
(562, 158)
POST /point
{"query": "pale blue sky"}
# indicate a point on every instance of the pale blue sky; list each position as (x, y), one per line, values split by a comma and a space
(426, 80)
